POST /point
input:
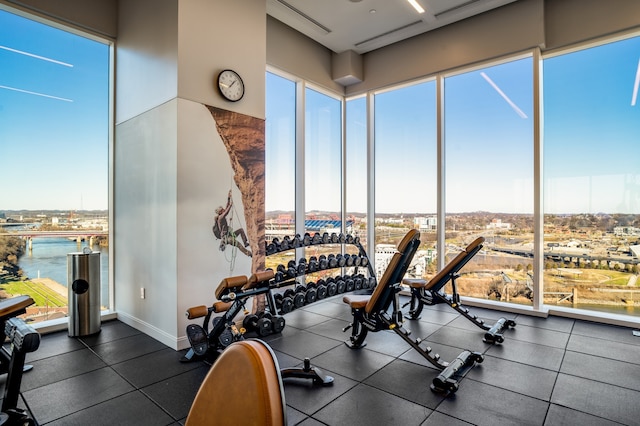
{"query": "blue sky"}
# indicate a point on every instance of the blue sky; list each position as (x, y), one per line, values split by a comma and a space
(54, 133)
(591, 139)
(53, 118)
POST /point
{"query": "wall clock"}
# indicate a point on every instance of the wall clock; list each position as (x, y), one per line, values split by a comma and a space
(230, 85)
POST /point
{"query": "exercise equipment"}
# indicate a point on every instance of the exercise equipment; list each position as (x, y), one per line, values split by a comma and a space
(232, 293)
(24, 339)
(431, 293)
(253, 365)
(371, 313)
(11, 308)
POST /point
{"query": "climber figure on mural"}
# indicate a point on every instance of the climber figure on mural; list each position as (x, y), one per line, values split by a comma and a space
(224, 232)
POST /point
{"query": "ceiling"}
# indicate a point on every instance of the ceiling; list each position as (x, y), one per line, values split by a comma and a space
(365, 25)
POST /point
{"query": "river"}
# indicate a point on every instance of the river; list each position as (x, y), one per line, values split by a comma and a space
(48, 259)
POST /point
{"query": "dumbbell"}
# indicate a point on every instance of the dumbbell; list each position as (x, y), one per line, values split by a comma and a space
(326, 238)
(317, 238)
(285, 244)
(372, 282)
(311, 293)
(292, 269)
(299, 298)
(264, 324)
(357, 282)
(306, 240)
(278, 299)
(277, 323)
(364, 261)
(281, 273)
(356, 241)
(287, 301)
(333, 262)
(365, 283)
(269, 248)
(349, 239)
(342, 238)
(276, 244)
(334, 238)
(302, 266)
(296, 241)
(323, 263)
(342, 260)
(350, 284)
(341, 285)
(332, 288)
(313, 264)
(349, 259)
(321, 291)
(250, 322)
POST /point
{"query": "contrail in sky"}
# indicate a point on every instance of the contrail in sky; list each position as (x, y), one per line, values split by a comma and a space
(505, 97)
(635, 86)
(35, 93)
(36, 56)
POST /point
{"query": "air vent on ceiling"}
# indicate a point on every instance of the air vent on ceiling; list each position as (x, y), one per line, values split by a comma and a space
(388, 33)
(305, 17)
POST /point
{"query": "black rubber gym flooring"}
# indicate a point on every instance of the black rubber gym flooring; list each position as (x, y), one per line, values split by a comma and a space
(554, 371)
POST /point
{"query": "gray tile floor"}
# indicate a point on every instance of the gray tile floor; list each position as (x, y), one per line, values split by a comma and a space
(553, 371)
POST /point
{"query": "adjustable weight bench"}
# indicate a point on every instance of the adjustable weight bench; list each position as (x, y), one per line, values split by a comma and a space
(370, 313)
(430, 293)
(232, 294)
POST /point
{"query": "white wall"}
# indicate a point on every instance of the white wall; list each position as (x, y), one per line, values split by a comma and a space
(145, 215)
(172, 168)
(214, 35)
(146, 56)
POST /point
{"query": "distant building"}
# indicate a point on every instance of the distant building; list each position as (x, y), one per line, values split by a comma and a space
(626, 231)
(427, 223)
(498, 224)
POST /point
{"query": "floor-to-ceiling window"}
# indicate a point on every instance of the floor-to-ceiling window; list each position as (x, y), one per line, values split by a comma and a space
(406, 172)
(280, 166)
(592, 177)
(590, 185)
(54, 142)
(356, 167)
(323, 162)
(488, 132)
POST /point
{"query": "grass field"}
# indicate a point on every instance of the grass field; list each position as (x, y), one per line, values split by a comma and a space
(41, 294)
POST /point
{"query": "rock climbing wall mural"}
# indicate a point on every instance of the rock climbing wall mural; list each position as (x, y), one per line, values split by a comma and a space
(243, 138)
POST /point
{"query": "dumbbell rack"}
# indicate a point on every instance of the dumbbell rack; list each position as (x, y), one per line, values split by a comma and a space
(299, 294)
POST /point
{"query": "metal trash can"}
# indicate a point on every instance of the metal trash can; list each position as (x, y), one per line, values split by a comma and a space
(83, 283)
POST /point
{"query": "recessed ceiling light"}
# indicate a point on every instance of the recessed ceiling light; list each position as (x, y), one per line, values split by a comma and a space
(416, 6)
(372, 11)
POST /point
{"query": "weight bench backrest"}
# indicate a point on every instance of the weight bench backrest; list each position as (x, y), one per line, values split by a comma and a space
(14, 306)
(258, 278)
(381, 297)
(230, 283)
(244, 386)
(458, 262)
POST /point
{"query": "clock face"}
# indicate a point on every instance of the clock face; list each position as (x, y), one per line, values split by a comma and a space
(230, 85)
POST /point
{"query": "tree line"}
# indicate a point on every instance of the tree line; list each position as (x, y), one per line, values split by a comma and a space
(11, 249)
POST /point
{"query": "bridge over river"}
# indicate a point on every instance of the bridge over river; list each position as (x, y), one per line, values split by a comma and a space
(75, 234)
(566, 257)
